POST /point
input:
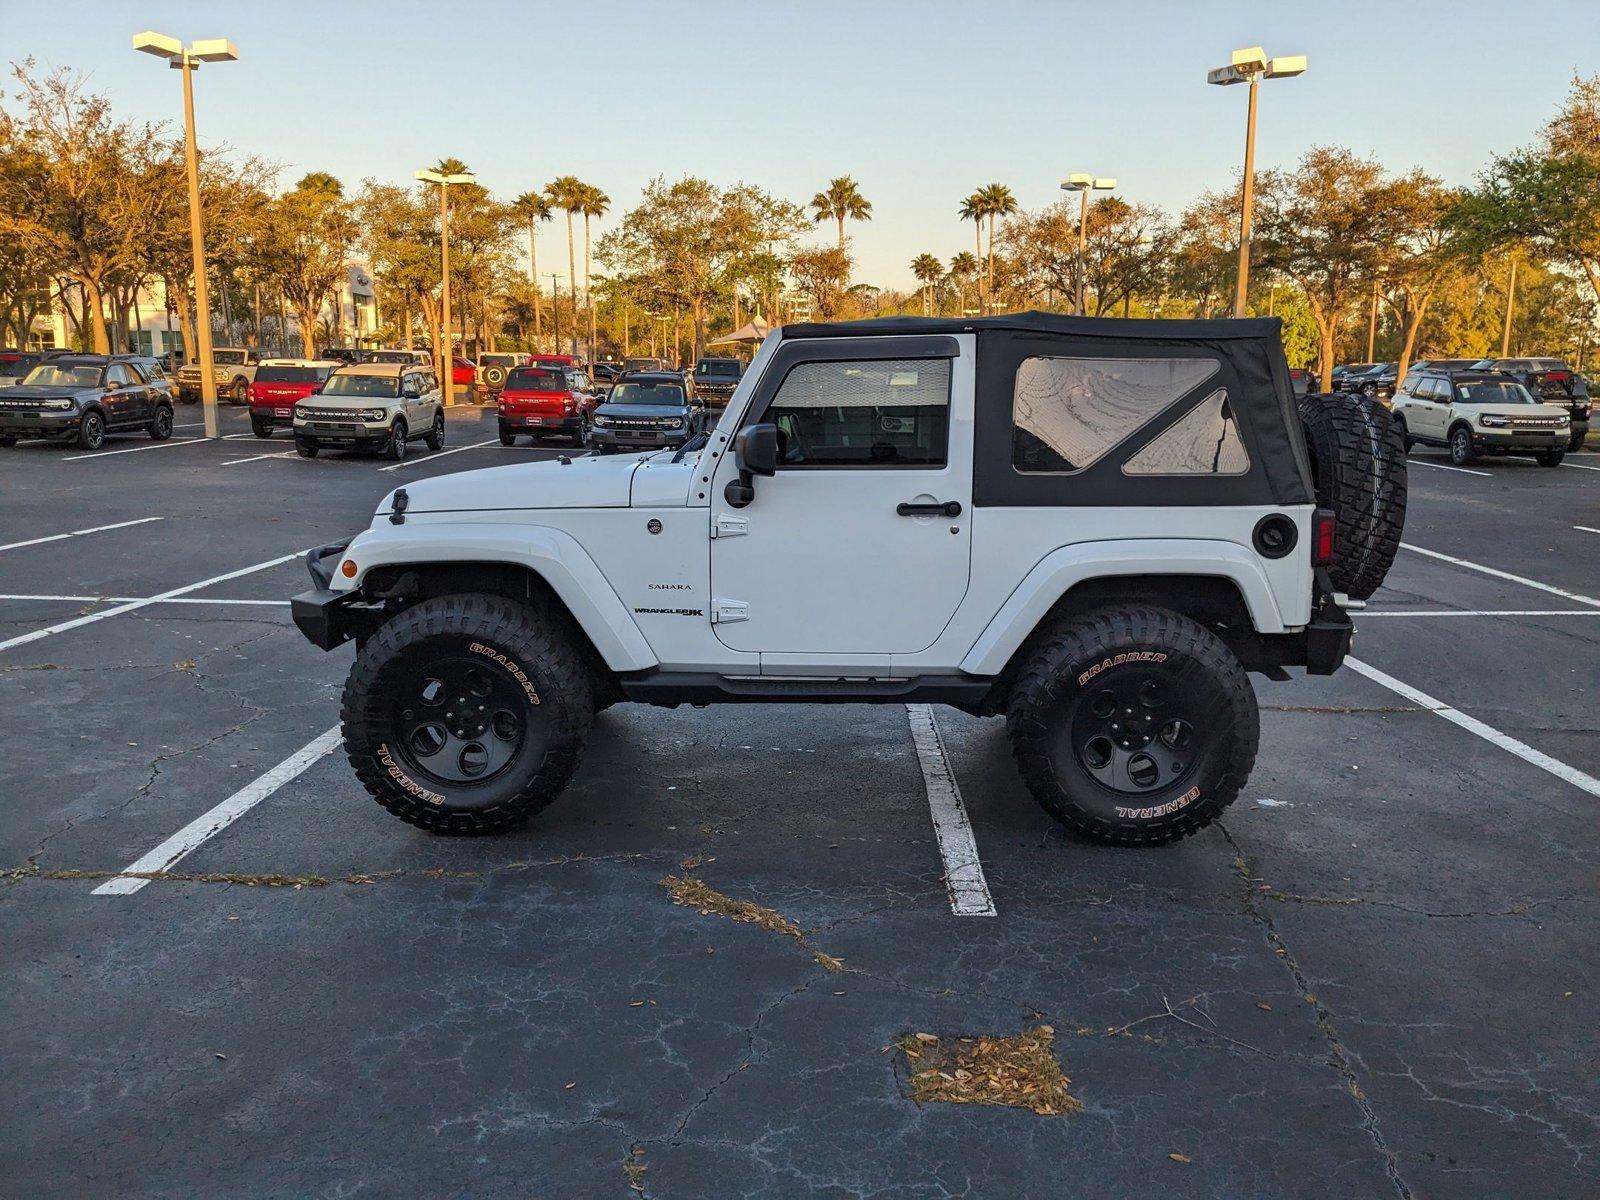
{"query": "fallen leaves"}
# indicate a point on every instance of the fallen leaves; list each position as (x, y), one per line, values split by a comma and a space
(1018, 1072)
(1179, 1158)
(691, 892)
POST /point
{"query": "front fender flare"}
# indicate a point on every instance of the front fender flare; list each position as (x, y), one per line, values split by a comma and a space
(552, 554)
(1062, 569)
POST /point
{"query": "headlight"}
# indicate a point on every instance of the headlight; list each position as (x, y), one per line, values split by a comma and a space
(1493, 420)
(672, 423)
(373, 414)
(1563, 419)
(603, 422)
(60, 405)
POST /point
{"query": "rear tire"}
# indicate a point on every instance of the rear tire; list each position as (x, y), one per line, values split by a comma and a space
(239, 393)
(262, 429)
(519, 702)
(436, 433)
(161, 423)
(395, 450)
(1133, 726)
(507, 439)
(1550, 458)
(1358, 460)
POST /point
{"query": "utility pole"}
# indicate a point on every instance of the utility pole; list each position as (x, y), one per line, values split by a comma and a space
(445, 354)
(1511, 300)
(555, 307)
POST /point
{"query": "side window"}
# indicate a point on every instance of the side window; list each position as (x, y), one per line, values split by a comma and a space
(868, 413)
(1067, 413)
(1436, 389)
(140, 372)
(119, 374)
(1205, 441)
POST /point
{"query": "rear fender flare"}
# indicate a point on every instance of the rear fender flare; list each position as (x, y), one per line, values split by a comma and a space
(552, 554)
(1063, 569)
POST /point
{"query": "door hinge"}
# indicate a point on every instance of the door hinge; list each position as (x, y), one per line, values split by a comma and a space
(726, 612)
(728, 525)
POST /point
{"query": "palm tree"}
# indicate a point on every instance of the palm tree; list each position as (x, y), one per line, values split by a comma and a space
(567, 194)
(974, 208)
(997, 202)
(963, 267)
(842, 200)
(533, 208)
(928, 269)
(595, 204)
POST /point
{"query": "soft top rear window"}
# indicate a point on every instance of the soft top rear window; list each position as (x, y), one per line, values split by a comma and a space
(536, 379)
(717, 367)
(290, 374)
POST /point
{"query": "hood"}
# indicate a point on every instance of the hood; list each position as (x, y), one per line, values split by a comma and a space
(643, 412)
(592, 481)
(41, 392)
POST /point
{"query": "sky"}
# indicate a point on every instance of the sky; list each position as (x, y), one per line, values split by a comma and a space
(920, 101)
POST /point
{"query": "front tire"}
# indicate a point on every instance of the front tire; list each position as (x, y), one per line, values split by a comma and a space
(161, 423)
(7, 441)
(467, 714)
(1575, 442)
(395, 450)
(1133, 726)
(239, 393)
(91, 431)
(1461, 451)
(306, 449)
(1550, 458)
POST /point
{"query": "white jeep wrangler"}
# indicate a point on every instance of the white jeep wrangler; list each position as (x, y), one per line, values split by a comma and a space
(1094, 527)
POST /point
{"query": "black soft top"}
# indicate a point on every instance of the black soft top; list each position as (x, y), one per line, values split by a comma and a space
(1251, 366)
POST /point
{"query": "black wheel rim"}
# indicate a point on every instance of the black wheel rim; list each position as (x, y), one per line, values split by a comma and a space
(459, 720)
(93, 431)
(1142, 728)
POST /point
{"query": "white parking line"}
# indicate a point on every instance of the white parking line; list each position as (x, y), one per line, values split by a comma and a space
(23, 639)
(428, 458)
(1580, 466)
(61, 537)
(143, 599)
(1484, 612)
(1472, 725)
(963, 870)
(1585, 528)
(219, 818)
(1526, 582)
(233, 462)
(1441, 467)
(136, 449)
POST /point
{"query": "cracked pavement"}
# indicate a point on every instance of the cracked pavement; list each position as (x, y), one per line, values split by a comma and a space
(1382, 984)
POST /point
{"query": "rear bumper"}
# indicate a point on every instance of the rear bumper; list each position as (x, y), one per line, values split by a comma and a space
(537, 423)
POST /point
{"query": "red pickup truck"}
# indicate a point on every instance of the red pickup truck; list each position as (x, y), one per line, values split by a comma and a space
(278, 384)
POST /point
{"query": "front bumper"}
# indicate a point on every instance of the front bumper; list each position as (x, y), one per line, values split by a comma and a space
(1490, 441)
(630, 439)
(350, 434)
(44, 424)
(326, 617)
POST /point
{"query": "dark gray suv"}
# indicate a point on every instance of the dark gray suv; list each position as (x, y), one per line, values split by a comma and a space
(83, 397)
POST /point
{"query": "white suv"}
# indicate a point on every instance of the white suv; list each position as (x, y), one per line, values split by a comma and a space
(1479, 412)
(372, 406)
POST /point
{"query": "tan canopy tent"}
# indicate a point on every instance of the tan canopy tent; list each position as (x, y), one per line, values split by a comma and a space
(755, 331)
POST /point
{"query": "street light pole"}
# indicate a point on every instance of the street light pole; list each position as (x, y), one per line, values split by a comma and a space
(1083, 185)
(1372, 322)
(555, 306)
(186, 59)
(1511, 299)
(445, 354)
(1251, 66)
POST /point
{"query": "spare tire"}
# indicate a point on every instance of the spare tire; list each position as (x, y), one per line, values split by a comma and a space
(494, 377)
(1358, 460)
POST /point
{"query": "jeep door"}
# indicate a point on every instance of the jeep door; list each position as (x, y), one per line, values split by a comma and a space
(858, 547)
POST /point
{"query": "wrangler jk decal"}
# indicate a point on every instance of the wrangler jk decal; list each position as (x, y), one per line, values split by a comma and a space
(520, 675)
(1117, 660)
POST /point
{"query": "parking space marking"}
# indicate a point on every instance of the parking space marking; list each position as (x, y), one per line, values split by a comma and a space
(1485, 612)
(1488, 733)
(1498, 574)
(1580, 466)
(219, 818)
(130, 606)
(233, 462)
(963, 870)
(144, 599)
(136, 449)
(427, 458)
(61, 537)
(1441, 467)
(1585, 528)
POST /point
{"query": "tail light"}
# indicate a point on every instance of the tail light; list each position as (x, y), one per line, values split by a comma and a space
(1322, 535)
(568, 406)
(250, 391)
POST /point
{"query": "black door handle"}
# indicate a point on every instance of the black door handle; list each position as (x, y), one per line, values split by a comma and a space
(936, 508)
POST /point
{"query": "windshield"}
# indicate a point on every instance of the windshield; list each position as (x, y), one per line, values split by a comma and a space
(1496, 392)
(289, 374)
(647, 393)
(718, 367)
(61, 375)
(384, 387)
(536, 379)
(228, 356)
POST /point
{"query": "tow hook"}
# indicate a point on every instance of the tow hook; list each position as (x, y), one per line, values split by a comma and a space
(1349, 605)
(401, 503)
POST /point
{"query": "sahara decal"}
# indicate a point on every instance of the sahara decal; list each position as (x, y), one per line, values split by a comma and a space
(670, 587)
(1117, 660)
(394, 772)
(1160, 810)
(517, 672)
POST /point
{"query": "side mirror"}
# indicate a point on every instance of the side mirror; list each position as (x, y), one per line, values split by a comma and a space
(755, 450)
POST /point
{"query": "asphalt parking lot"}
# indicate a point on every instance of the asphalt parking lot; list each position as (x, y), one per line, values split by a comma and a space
(1377, 977)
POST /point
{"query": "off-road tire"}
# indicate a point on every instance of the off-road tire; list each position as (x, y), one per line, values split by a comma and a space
(1462, 452)
(435, 437)
(395, 448)
(161, 423)
(1358, 462)
(505, 631)
(262, 429)
(1549, 458)
(306, 449)
(1077, 663)
(91, 431)
(494, 377)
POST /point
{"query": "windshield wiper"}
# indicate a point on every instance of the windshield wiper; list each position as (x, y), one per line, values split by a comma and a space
(694, 443)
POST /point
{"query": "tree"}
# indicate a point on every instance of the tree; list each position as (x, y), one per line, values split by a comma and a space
(1327, 225)
(595, 203)
(567, 194)
(841, 201)
(996, 201)
(1127, 250)
(975, 208)
(821, 273)
(399, 237)
(963, 268)
(531, 208)
(1205, 259)
(1426, 247)
(929, 271)
(309, 233)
